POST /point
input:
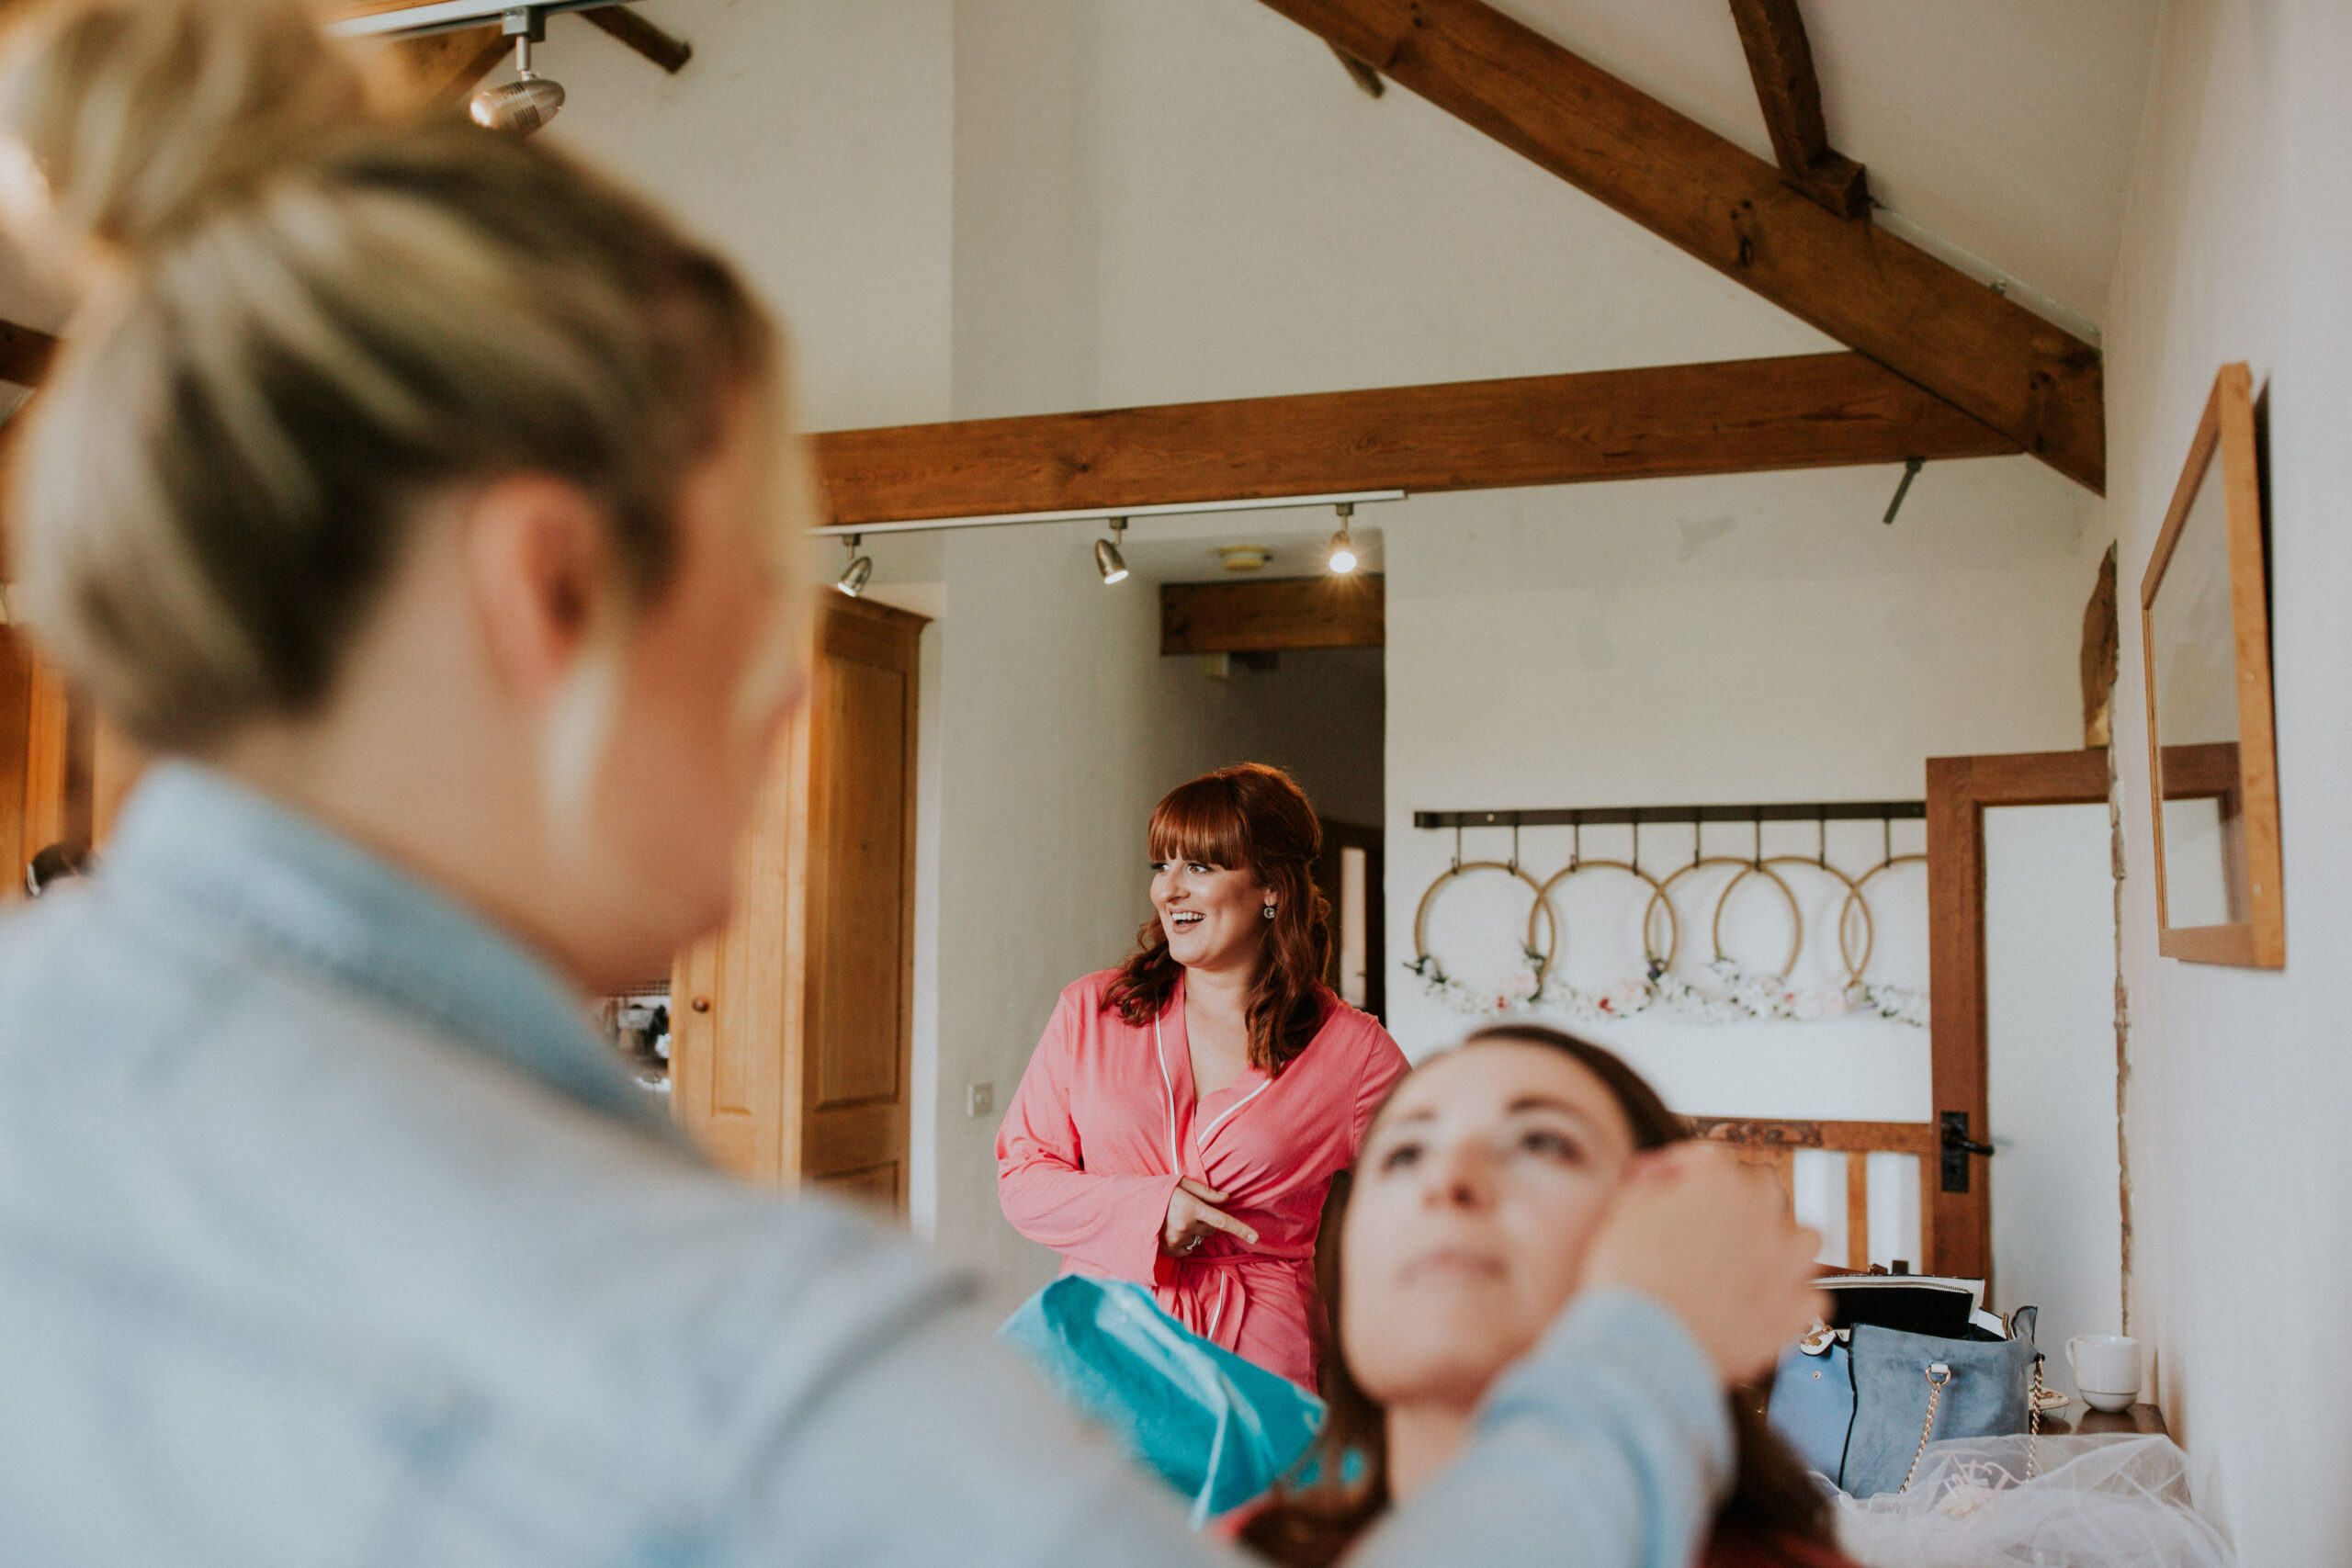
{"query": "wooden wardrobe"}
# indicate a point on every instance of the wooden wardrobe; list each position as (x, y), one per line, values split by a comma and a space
(791, 1031)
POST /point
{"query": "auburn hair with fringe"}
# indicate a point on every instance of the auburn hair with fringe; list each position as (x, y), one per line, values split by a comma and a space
(1247, 817)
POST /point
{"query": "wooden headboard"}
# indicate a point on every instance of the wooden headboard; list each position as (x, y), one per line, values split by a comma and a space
(1775, 1145)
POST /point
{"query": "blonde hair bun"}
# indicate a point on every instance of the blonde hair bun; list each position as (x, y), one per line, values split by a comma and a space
(330, 317)
(139, 116)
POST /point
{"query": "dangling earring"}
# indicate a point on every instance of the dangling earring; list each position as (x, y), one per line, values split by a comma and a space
(1269, 911)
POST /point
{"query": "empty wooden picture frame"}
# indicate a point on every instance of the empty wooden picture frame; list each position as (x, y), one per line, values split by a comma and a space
(2212, 766)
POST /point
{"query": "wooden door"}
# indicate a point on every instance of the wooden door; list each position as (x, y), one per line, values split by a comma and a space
(860, 1010)
(792, 1031)
(1959, 789)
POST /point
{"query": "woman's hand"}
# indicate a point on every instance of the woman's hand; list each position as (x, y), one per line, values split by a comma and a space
(1192, 1213)
(1714, 1241)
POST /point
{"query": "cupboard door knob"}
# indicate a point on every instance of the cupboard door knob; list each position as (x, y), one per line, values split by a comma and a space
(701, 1004)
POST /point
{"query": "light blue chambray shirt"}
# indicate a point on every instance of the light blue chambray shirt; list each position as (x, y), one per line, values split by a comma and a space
(331, 1234)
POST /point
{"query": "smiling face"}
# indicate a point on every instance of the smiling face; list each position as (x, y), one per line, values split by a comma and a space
(1477, 1195)
(1213, 916)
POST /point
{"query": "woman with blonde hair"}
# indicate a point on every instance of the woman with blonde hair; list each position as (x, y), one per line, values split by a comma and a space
(389, 472)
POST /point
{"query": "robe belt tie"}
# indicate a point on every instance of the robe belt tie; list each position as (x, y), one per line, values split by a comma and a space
(1221, 1322)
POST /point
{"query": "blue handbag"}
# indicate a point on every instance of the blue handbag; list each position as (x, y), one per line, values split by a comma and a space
(1813, 1403)
(1861, 1404)
(1914, 1388)
(1219, 1429)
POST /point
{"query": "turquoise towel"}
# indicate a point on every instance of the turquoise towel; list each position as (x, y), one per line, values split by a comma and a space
(1218, 1429)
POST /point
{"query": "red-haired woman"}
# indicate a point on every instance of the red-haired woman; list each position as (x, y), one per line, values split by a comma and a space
(1183, 1116)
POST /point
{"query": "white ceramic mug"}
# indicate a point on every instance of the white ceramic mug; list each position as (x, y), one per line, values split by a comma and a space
(2105, 1369)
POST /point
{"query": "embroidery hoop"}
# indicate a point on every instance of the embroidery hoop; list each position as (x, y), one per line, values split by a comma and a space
(1426, 965)
(1657, 965)
(1845, 913)
(1869, 924)
(1747, 868)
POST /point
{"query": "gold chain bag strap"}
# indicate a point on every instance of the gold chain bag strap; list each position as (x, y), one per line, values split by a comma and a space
(1938, 1375)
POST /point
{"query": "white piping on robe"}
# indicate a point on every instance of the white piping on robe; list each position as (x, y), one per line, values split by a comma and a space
(1224, 1280)
(1159, 1049)
(1201, 1133)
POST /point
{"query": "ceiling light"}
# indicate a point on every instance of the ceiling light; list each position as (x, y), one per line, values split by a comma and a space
(853, 576)
(1107, 559)
(1245, 558)
(1342, 560)
(531, 100)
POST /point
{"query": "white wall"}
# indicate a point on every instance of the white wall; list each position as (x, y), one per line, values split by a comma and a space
(1727, 640)
(1265, 227)
(810, 141)
(2239, 218)
(1025, 286)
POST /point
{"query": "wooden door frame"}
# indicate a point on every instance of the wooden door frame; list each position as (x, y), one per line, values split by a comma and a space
(1959, 789)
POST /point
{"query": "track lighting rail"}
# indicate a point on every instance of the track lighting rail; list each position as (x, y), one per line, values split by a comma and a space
(415, 21)
(1105, 513)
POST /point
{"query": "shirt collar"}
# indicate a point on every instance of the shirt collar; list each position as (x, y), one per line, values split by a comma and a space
(233, 857)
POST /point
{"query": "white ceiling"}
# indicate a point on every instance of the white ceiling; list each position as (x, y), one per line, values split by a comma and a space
(2002, 127)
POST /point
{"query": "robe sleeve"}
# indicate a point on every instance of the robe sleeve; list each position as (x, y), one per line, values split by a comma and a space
(1108, 1224)
(1384, 1065)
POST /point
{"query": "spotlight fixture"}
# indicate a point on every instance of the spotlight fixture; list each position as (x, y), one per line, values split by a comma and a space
(1107, 559)
(1342, 560)
(530, 100)
(853, 576)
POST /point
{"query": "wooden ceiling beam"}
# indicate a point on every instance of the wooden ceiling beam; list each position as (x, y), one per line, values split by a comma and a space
(444, 68)
(624, 23)
(1920, 317)
(1274, 615)
(1800, 412)
(1780, 58)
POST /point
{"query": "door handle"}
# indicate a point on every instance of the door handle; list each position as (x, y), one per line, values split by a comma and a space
(1956, 1146)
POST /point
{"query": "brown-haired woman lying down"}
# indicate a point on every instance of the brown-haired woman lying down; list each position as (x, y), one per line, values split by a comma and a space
(1476, 1212)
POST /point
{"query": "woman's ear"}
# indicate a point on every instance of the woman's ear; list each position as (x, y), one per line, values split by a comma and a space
(537, 561)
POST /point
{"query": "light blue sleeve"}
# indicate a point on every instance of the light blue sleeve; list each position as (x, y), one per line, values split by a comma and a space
(1609, 1446)
(1605, 1449)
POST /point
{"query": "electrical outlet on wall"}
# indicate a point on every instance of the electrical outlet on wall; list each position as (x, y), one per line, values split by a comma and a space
(979, 1099)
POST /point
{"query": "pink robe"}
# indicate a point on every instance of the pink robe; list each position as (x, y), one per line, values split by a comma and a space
(1106, 1123)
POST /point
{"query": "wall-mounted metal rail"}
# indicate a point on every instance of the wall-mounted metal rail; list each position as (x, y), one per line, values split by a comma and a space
(1603, 816)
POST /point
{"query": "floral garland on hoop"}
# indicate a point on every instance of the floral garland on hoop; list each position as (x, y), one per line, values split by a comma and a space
(1520, 989)
(1736, 995)
(1724, 993)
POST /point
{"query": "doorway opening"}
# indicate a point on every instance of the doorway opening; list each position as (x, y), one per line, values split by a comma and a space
(1319, 714)
(1285, 664)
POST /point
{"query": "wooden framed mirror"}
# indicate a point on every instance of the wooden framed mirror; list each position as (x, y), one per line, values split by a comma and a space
(2205, 632)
